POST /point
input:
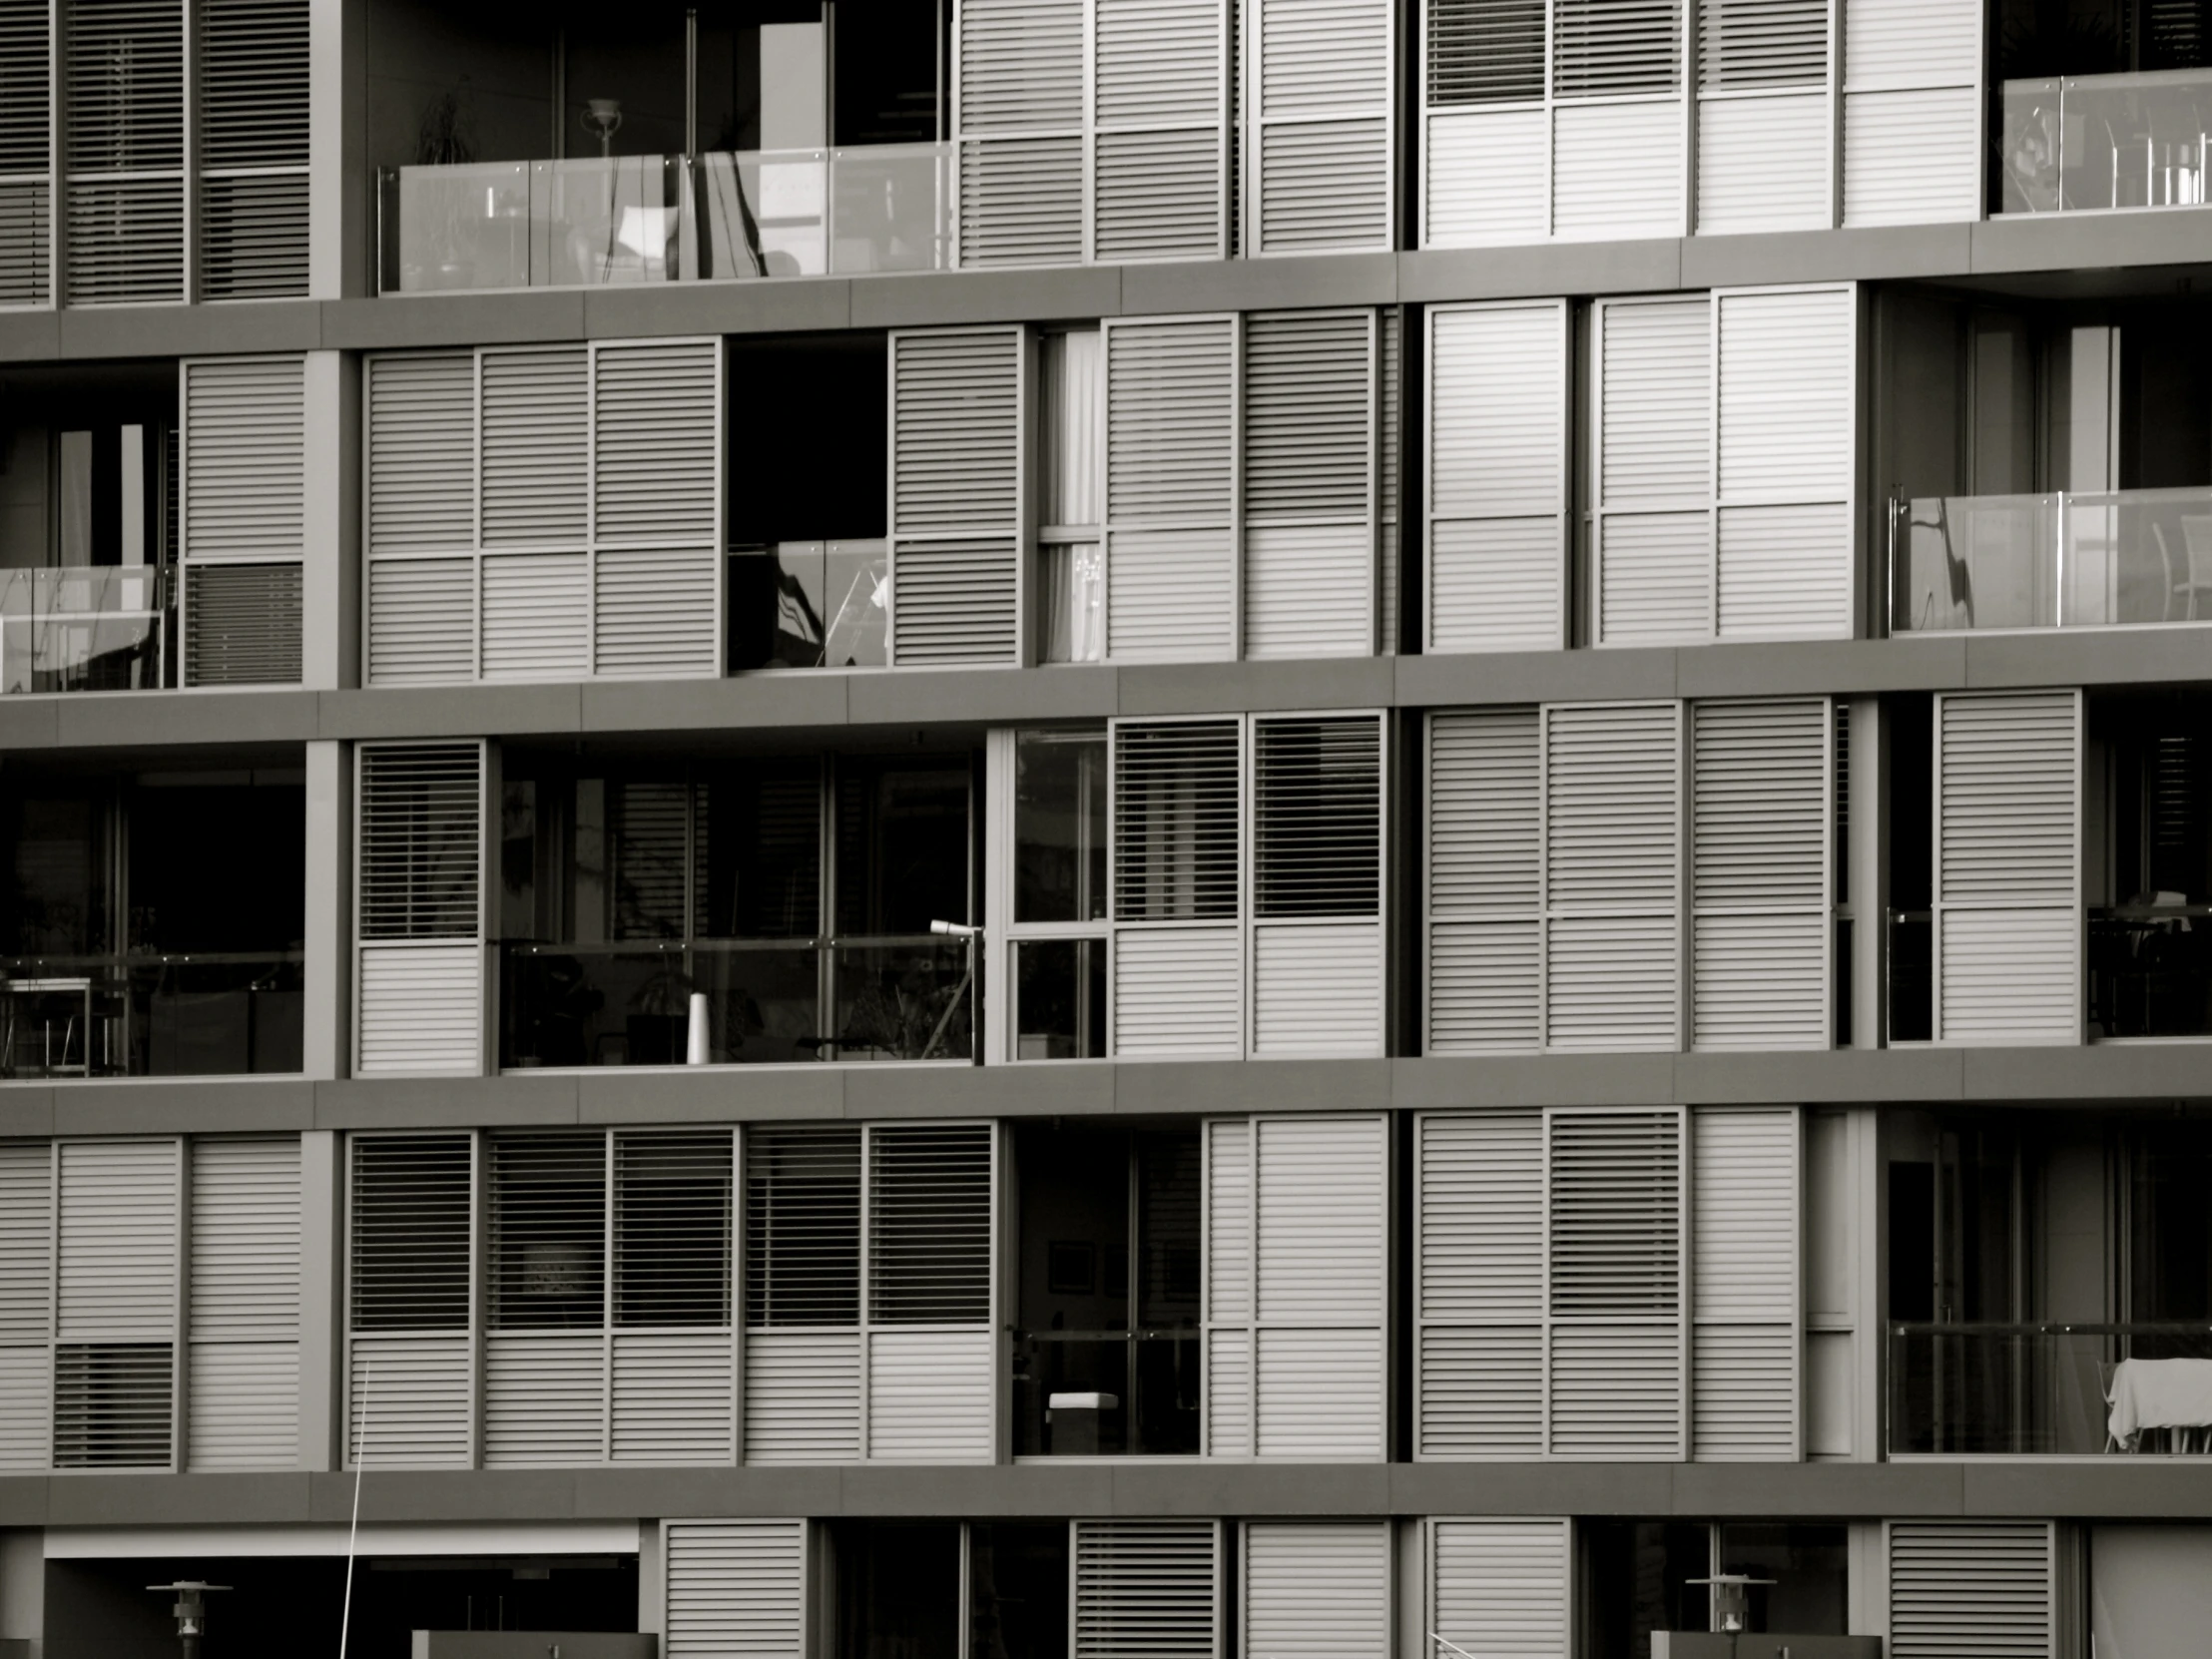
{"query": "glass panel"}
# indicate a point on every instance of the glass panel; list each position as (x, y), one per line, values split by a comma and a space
(1074, 601)
(909, 1001)
(2150, 970)
(206, 1014)
(1068, 400)
(1638, 1580)
(1810, 1570)
(580, 1005)
(891, 207)
(763, 835)
(1017, 1591)
(856, 583)
(83, 629)
(902, 847)
(1060, 999)
(460, 226)
(2106, 141)
(897, 1589)
(506, 224)
(810, 604)
(1060, 826)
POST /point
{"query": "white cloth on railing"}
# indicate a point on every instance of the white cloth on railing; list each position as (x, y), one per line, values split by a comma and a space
(2159, 1393)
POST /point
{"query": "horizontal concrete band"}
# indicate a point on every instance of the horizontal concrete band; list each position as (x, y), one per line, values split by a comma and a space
(1992, 249)
(861, 705)
(2149, 1073)
(2113, 1487)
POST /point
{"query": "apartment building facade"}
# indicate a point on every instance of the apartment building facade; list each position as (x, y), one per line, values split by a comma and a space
(1106, 829)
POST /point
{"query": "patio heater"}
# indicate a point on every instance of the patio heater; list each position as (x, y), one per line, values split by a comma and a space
(191, 1611)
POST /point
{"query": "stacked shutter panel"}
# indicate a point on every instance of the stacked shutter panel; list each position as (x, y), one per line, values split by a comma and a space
(418, 989)
(1322, 170)
(1229, 1299)
(1389, 491)
(26, 1304)
(929, 1293)
(26, 178)
(242, 624)
(1485, 882)
(956, 518)
(1317, 1589)
(1985, 1588)
(737, 1589)
(1911, 111)
(115, 1304)
(1743, 1285)
(545, 1348)
(422, 493)
(123, 152)
(1486, 155)
(1159, 190)
(1177, 888)
(410, 1347)
(1501, 1587)
(673, 1375)
(1617, 162)
(1764, 118)
(1147, 1587)
(534, 483)
(802, 1295)
(1479, 1285)
(1021, 132)
(251, 135)
(657, 508)
(1654, 472)
(243, 1375)
(243, 535)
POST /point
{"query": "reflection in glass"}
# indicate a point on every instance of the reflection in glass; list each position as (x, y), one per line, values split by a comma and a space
(1060, 999)
(2078, 142)
(1060, 826)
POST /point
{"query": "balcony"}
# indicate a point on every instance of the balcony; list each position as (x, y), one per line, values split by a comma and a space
(2050, 1389)
(92, 628)
(2080, 143)
(1106, 1393)
(205, 1013)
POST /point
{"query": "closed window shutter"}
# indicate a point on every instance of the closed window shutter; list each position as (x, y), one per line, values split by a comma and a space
(1498, 477)
(421, 567)
(1654, 471)
(1502, 1586)
(535, 472)
(1764, 123)
(1485, 52)
(801, 1294)
(737, 1589)
(674, 1364)
(1321, 166)
(1309, 484)
(1171, 495)
(243, 534)
(242, 624)
(957, 506)
(115, 1296)
(1744, 1346)
(1317, 1588)
(657, 466)
(1020, 108)
(410, 1300)
(1147, 1587)
(123, 151)
(932, 1196)
(1228, 1283)
(419, 908)
(1317, 874)
(545, 1346)
(1760, 880)
(1913, 111)
(1479, 1286)
(1484, 901)
(1487, 140)
(1390, 470)
(1990, 1587)
(1618, 158)
(2008, 930)
(1177, 809)
(252, 131)
(1159, 114)
(26, 1304)
(26, 160)
(244, 1377)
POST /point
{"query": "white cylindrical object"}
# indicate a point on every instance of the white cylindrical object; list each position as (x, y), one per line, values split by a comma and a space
(694, 1040)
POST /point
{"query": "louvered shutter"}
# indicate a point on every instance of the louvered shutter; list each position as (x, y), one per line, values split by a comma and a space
(1171, 488)
(1484, 900)
(242, 530)
(1309, 484)
(1390, 490)
(418, 984)
(26, 1304)
(1228, 1285)
(956, 502)
(1498, 477)
(1786, 391)
(1980, 1586)
(1654, 471)
(675, 1360)
(931, 1378)
(115, 1304)
(1178, 968)
(26, 153)
(1486, 151)
(1317, 1588)
(1913, 111)
(2009, 928)
(1321, 166)
(1020, 118)
(123, 151)
(1501, 1588)
(545, 1340)
(802, 1295)
(1479, 1285)
(1747, 1198)
(410, 1298)
(420, 493)
(1612, 876)
(1765, 128)
(1761, 841)
(657, 506)
(1160, 117)
(1619, 135)
(1147, 1587)
(736, 1589)
(535, 482)
(242, 1382)
(250, 126)
(1616, 1199)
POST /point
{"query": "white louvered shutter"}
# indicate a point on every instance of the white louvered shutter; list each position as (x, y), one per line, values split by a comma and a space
(545, 1270)
(802, 1295)
(251, 132)
(2009, 927)
(1479, 1285)
(1390, 490)
(1612, 876)
(736, 1589)
(1765, 127)
(1160, 115)
(410, 1347)
(1498, 477)
(1786, 388)
(1485, 905)
(420, 559)
(1761, 846)
(1501, 1588)
(1317, 885)
(419, 986)
(956, 503)
(115, 1304)
(674, 1368)
(1019, 117)
(657, 505)
(243, 531)
(931, 1197)
(1320, 171)
(26, 153)
(123, 151)
(1987, 1588)
(1171, 488)
(1309, 484)
(26, 1305)
(1228, 1287)
(1486, 150)
(1178, 950)
(1619, 133)
(1743, 1266)
(534, 480)
(1913, 111)
(1653, 471)
(1147, 1587)
(1616, 1199)
(1317, 1589)
(242, 1380)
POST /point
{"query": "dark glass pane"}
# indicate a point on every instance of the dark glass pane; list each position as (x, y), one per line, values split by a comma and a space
(1018, 1590)
(1060, 828)
(1169, 1172)
(1637, 1582)
(898, 1589)
(1809, 1566)
(1060, 999)
(762, 828)
(902, 847)
(57, 898)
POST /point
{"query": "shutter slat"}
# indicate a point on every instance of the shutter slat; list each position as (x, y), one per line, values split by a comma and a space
(1502, 1587)
(737, 1589)
(1317, 1589)
(1146, 1590)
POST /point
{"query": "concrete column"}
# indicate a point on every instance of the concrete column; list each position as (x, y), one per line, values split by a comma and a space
(340, 193)
(23, 1589)
(328, 973)
(331, 588)
(321, 1329)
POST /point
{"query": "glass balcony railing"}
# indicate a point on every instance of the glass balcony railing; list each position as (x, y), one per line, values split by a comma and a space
(2150, 970)
(1106, 1392)
(2050, 1389)
(597, 221)
(2081, 142)
(102, 627)
(810, 604)
(2116, 558)
(205, 1013)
